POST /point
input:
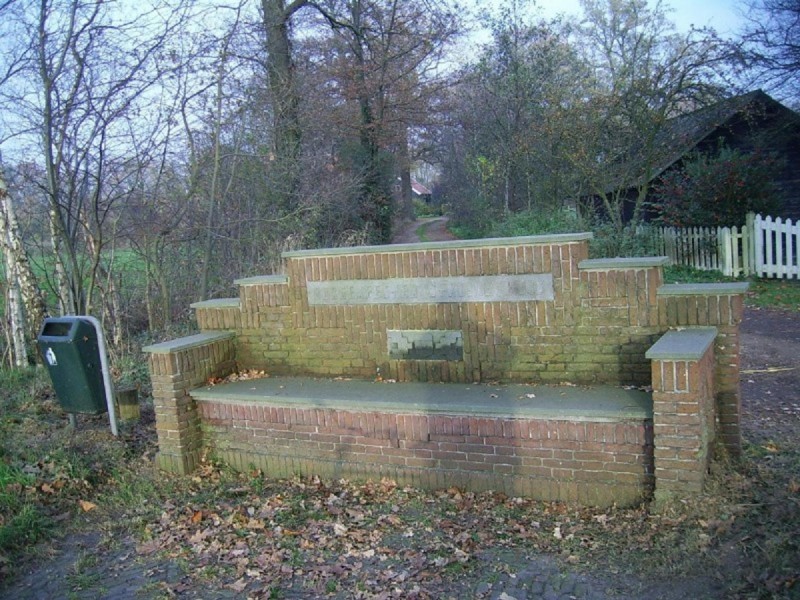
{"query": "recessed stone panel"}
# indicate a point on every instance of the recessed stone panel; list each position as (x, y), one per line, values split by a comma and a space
(432, 290)
(426, 344)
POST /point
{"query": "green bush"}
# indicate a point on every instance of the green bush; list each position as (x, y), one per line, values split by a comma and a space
(609, 242)
(537, 222)
(422, 209)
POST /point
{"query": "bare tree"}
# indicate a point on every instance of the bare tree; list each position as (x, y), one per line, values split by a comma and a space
(644, 75)
(512, 116)
(770, 44)
(79, 91)
(280, 64)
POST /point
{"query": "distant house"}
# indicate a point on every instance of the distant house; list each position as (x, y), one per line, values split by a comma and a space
(747, 122)
(420, 192)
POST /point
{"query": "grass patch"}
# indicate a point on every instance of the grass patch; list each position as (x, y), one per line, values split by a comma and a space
(782, 294)
(23, 526)
(83, 576)
(463, 232)
(775, 293)
(681, 274)
(50, 472)
(22, 521)
(422, 232)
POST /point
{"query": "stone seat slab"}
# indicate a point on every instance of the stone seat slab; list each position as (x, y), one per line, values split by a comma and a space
(572, 403)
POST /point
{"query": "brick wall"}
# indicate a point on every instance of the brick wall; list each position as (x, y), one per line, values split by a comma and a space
(595, 329)
(603, 316)
(598, 463)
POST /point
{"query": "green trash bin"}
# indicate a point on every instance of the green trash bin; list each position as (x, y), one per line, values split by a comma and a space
(71, 352)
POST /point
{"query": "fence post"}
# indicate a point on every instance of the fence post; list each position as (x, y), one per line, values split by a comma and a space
(792, 251)
(724, 242)
(758, 245)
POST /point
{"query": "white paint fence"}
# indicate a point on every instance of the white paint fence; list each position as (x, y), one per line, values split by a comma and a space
(764, 246)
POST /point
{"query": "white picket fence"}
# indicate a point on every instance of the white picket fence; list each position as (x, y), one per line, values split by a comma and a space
(764, 247)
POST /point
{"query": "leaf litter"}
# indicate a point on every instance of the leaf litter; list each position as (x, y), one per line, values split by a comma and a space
(259, 537)
(379, 539)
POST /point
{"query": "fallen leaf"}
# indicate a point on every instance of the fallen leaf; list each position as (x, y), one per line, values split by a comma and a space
(197, 517)
(147, 547)
(87, 506)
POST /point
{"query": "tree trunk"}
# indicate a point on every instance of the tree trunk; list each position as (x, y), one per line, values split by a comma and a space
(283, 92)
(63, 291)
(15, 318)
(19, 272)
(406, 194)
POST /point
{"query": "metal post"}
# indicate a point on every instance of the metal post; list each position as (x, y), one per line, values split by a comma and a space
(101, 341)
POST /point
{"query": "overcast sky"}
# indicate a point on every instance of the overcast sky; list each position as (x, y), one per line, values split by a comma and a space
(723, 15)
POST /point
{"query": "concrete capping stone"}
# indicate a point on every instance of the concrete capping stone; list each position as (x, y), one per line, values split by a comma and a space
(188, 342)
(639, 262)
(262, 280)
(600, 404)
(684, 344)
(703, 289)
(532, 240)
(217, 303)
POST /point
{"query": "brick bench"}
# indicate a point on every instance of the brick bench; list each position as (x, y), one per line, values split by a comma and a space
(527, 310)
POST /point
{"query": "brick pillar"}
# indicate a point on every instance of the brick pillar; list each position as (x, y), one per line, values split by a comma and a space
(728, 394)
(683, 367)
(176, 367)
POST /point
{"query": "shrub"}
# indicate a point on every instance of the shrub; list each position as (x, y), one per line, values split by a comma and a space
(537, 222)
(422, 209)
(608, 242)
(717, 189)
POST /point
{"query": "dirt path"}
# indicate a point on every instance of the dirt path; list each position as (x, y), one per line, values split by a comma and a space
(433, 229)
(770, 375)
(102, 562)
